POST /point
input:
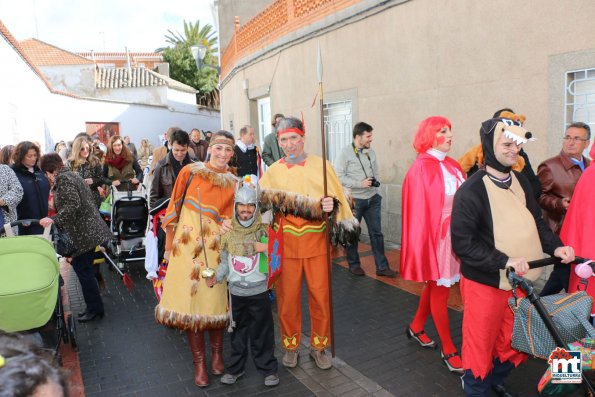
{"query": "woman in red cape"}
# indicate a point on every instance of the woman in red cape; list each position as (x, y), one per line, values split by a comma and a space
(578, 229)
(426, 251)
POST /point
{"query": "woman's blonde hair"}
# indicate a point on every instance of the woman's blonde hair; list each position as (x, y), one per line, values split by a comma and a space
(75, 158)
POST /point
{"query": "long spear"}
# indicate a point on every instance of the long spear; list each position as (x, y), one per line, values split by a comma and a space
(326, 217)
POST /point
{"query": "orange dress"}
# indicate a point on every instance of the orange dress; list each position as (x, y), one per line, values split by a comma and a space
(187, 303)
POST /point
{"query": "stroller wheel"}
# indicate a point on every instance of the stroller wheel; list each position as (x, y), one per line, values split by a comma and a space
(71, 331)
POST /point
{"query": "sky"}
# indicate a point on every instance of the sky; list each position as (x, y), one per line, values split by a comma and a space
(103, 25)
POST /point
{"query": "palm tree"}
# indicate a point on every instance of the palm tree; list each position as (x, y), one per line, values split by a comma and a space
(182, 66)
(195, 35)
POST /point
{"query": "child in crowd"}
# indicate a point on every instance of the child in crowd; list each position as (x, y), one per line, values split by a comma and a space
(250, 303)
(28, 370)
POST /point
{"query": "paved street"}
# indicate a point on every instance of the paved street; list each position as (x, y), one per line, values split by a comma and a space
(127, 353)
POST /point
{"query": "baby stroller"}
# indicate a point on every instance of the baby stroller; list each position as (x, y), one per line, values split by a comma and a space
(30, 298)
(128, 222)
(560, 328)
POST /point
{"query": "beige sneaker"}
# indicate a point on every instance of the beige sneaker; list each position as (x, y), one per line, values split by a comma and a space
(290, 358)
(321, 359)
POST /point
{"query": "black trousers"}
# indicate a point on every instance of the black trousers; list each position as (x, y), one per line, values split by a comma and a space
(254, 322)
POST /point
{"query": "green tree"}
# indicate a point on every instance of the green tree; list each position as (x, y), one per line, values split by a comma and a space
(182, 65)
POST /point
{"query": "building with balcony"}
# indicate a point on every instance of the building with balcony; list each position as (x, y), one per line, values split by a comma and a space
(393, 63)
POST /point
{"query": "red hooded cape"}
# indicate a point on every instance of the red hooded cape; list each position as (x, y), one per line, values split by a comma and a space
(423, 199)
(578, 229)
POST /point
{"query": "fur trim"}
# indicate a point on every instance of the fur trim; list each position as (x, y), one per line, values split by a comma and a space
(197, 247)
(195, 273)
(190, 322)
(185, 238)
(215, 244)
(206, 227)
(291, 204)
(175, 247)
(345, 232)
(224, 180)
(194, 288)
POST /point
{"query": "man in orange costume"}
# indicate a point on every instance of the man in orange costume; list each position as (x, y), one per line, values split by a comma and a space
(293, 188)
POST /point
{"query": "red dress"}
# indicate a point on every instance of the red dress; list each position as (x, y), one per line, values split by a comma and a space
(426, 227)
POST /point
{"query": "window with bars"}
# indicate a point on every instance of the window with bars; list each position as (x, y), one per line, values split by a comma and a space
(579, 100)
(338, 127)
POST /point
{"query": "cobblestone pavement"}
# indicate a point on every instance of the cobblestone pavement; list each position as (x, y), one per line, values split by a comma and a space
(127, 353)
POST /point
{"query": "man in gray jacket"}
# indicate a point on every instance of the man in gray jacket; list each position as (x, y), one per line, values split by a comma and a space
(271, 151)
(356, 167)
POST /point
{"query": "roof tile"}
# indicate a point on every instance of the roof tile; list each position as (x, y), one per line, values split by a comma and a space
(44, 54)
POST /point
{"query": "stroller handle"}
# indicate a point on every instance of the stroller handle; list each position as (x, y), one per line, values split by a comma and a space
(47, 231)
(514, 279)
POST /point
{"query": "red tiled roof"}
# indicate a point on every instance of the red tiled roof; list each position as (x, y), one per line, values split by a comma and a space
(15, 44)
(44, 54)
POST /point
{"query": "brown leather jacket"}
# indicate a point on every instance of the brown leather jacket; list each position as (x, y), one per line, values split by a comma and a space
(164, 179)
(558, 177)
(200, 149)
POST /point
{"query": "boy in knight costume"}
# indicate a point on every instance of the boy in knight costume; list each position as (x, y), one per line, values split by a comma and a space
(293, 188)
(496, 224)
(251, 314)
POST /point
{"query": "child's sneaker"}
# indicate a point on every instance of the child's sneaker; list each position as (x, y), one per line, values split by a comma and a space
(271, 380)
(229, 379)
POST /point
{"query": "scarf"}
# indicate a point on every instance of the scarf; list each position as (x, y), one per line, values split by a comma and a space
(177, 166)
(117, 162)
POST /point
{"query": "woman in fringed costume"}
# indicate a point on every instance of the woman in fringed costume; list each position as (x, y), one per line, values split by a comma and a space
(426, 253)
(199, 211)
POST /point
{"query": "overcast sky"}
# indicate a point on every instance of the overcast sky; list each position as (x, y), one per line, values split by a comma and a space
(110, 25)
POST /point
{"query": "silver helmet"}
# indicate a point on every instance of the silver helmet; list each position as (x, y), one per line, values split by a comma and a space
(246, 192)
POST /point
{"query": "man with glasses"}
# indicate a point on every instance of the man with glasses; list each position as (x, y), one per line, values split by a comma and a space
(558, 177)
(357, 169)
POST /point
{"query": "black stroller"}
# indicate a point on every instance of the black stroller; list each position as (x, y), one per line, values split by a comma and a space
(551, 321)
(128, 223)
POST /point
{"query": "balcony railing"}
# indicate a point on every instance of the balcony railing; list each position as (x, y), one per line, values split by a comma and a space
(274, 22)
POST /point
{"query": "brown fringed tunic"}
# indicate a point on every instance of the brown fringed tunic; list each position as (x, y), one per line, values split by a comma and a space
(187, 303)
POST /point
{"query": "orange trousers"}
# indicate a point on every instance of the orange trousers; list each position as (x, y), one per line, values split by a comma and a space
(289, 293)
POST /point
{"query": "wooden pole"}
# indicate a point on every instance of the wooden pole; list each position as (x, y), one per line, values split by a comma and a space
(326, 217)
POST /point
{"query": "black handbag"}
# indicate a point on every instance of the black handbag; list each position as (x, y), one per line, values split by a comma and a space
(64, 244)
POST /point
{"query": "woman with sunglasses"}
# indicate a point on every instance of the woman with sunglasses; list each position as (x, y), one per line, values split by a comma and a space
(84, 163)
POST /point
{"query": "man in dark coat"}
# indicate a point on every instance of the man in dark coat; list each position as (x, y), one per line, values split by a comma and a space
(558, 177)
(247, 154)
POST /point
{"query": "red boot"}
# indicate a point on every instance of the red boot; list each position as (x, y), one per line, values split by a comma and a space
(216, 336)
(196, 340)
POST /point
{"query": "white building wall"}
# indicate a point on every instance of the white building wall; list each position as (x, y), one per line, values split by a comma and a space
(28, 110)
(138, 121)
(23, 98)
(78, 79)
(150, 95)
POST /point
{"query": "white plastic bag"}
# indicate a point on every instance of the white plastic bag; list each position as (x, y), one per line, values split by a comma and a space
(151, 255)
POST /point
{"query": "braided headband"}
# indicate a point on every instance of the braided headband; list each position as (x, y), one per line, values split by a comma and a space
(287, 130)
(221, 140)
